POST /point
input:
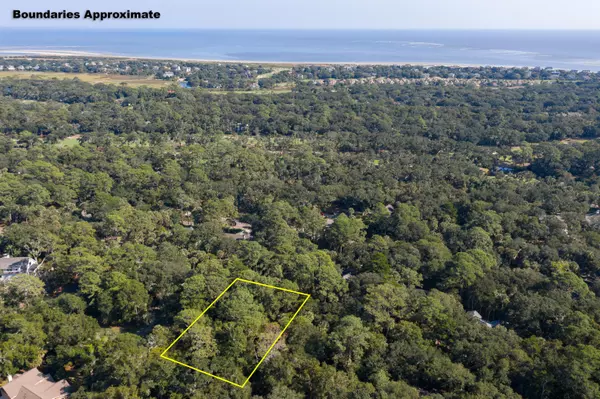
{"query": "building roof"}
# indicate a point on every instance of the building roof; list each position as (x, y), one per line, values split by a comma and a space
(242, 225)
(5, 263)
(236, 224)
(33, 384)
(474, 313)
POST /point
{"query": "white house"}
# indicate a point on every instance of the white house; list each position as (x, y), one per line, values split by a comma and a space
(10, 267)
(475, 315)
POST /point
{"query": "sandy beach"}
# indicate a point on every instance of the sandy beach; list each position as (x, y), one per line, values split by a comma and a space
(74, 54)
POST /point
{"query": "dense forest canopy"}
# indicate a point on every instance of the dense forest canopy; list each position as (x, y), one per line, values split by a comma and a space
(400, 210)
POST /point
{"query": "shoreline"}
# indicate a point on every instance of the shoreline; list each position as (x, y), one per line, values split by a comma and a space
(25, 53)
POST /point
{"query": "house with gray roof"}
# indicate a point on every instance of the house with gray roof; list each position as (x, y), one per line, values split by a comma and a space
(10, 267)
(477, 316)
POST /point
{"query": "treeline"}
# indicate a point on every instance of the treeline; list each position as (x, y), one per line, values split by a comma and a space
(214, 75)
(216, 71)
(417, 72)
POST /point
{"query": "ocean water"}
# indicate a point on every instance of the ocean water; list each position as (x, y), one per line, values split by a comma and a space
(558, 49)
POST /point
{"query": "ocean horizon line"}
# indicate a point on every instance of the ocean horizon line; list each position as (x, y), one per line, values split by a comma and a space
(84, 28)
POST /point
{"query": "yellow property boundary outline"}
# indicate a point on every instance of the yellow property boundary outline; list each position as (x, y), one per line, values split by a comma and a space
(162, 355)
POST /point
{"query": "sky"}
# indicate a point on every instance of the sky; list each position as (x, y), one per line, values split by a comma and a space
(322, 14)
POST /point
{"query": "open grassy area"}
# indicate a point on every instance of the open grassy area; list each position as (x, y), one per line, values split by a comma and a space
(574, 141)
(70, 141)
(135, 81)
(130, 80)
(273, 72)
(275, 90)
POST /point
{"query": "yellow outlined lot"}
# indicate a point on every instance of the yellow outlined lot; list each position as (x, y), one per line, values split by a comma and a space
(163, 355)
